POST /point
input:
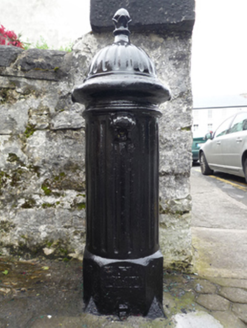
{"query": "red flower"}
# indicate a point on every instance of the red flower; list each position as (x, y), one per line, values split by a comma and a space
(9, 38)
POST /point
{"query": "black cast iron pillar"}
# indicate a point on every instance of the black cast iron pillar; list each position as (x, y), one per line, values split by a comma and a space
(122, 265)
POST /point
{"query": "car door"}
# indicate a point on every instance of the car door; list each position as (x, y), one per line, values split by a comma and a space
(232, 149)
(213, 151)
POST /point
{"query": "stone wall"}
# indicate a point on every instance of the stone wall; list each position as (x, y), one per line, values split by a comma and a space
(42, 173)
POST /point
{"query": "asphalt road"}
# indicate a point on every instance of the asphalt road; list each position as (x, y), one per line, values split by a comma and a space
(219, 224)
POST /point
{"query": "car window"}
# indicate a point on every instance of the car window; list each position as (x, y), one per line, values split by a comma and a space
(223, 128)
(239, 123)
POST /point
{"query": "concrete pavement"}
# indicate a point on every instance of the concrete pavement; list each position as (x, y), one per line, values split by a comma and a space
(219, 234)
(219, 230)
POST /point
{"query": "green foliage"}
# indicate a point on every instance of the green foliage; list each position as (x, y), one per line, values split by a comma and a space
(42, 44)
(66, 48)
(5, 272)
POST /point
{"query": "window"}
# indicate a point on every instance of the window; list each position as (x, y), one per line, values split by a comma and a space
(223, 128)
(210, 127)
(239, 123)
(195, 127)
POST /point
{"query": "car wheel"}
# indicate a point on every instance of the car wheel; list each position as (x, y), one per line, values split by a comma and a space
(205, 169)
(245, 169)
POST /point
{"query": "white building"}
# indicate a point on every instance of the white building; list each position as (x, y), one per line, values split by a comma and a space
(211, 112)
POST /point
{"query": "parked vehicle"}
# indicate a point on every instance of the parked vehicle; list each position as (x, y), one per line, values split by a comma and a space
(198, 140)
(226, 149)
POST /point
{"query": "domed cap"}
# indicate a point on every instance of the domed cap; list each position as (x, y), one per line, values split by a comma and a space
(121, 57)
(121, 70)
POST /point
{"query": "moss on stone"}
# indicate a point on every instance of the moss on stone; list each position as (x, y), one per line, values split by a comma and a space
(3, 179)
(46, 188)
(17, 177)
(182, 266)
(8, 95)
(60, 247)
(30, 129)
(81, 206)
(59, 177)
(3, 96)
(83, 195)
(35, 169)
(170, 211)
(186, 128)
(64, 181)
(6, 226)
(49, 244)
(47, 205)
(72, 167)
(77, 233)
(12, 157)
(29, 203)
(63, 251)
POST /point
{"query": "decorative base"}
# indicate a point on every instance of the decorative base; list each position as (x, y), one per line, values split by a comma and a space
(123, 287)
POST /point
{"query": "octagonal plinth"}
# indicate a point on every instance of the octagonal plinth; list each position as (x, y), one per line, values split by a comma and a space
(123, 287)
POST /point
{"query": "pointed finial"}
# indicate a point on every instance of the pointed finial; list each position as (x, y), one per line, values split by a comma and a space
(121, 20)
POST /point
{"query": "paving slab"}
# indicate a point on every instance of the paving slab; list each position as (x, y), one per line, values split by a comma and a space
(241, 311)
(220, 252)
(205, 287)
(236, 295)
(213, 302)
(228, 319)
(229, 282)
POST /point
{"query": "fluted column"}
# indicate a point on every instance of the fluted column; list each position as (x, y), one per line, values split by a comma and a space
(122, 183)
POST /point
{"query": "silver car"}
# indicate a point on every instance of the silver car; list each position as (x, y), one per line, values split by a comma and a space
(226, 149)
